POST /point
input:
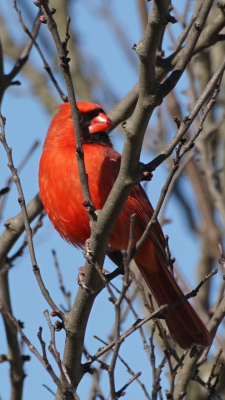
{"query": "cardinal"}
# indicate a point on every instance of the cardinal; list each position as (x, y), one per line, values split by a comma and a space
(62, 198)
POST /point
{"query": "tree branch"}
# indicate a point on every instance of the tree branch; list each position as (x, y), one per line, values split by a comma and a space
(22, 203)
(64, 66)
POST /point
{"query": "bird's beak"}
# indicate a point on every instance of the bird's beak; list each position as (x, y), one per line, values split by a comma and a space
(100, 123)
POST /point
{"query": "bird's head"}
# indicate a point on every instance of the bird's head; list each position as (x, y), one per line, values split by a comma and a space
(93, 122)
(92, 117)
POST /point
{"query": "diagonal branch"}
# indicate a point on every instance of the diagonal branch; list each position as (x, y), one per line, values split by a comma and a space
(46, 65)
(6, 80)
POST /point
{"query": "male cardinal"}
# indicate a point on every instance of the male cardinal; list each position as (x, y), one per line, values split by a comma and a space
(62, 198)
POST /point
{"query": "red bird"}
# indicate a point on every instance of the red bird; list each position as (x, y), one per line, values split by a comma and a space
(62, 198)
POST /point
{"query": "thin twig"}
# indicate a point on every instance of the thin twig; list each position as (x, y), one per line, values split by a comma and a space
(203, 384)
(152, 347)
(52, 347)
(222, 287)
(19, 252)
(213, 87)
(43, 344)
(163, 193)
(185, 32)
(156, 385)
(187, 121)
(22, 203)
(20, 166)
(121, 392)
(66, 294)
(208, 108)
(4, 191)
(170, 190)
(126, 284)
(43, 359)
(128, 300)
(87, 367)
(129, 370)
(61, 47)
(161, 312)
(46, 387)
(46, 65)
(106, 283)
(188, 49)
(8, 79)
(212, 373)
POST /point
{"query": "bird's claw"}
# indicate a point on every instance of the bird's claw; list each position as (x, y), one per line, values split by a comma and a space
(87, 253)
(80, 279)
(105, 271)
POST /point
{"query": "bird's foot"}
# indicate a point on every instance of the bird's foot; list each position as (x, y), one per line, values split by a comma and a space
(80, 278)
(87, 253)
(105, 271)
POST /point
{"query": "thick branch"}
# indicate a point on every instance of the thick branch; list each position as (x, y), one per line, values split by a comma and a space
(101, 229)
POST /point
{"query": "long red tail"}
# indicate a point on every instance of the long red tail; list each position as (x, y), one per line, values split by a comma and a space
(184, 325)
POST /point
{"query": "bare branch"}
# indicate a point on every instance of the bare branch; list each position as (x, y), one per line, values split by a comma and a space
(121, 391)
(19, 252)
(15, 227)
(52, 347)
(64, 66)
(22, 203)
(129, 370)
(194, 355)
(43, 359)
(7, 79)
(126, 284)
(20, 166)
(164, 309)
(125, 107)
(66, 294)
(46, 65)
(4, 191)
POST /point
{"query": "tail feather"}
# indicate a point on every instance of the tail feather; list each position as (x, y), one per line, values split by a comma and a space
(185, 327)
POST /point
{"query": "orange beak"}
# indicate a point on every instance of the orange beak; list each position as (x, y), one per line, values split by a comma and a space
(100, 123)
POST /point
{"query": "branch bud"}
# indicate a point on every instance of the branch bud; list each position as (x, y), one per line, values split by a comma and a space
(172, 19)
